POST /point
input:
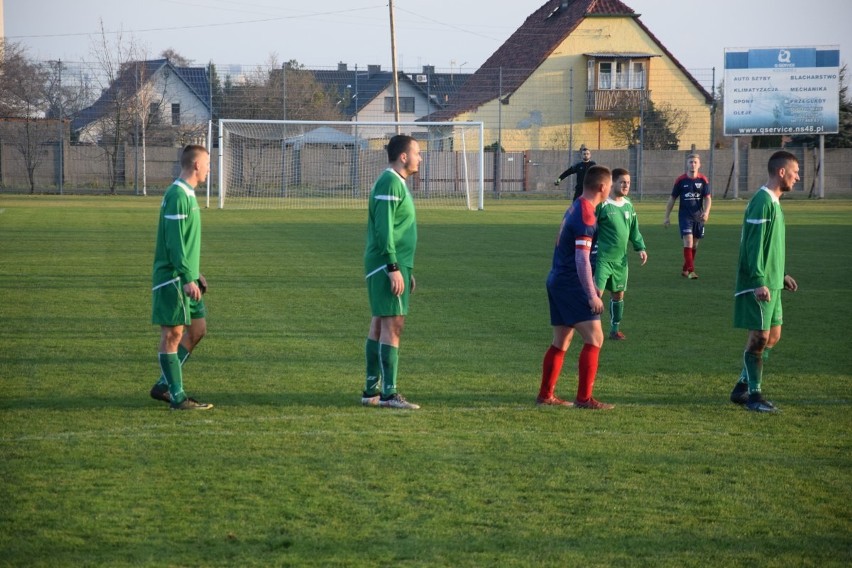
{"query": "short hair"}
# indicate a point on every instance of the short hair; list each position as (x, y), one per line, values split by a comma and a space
(618, 172)
(398, 145)
(583, 148)
(595, 176)
(190, 155)
(780, 159)
(698, 156)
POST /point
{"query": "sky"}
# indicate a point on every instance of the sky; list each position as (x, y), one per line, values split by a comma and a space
(452, 35)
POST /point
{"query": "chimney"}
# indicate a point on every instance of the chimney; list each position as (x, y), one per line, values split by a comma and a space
(342, 66)
(373, 69)
(428, 69)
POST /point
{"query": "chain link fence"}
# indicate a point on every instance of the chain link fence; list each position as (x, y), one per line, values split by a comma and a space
(537, 132)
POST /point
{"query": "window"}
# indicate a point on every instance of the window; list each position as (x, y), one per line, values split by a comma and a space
(154, 113)
(175, 114)
(621, 72)
(605, 75)
(637, 75)
(406, 104)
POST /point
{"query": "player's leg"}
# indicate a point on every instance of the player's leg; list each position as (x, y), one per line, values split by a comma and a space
(551, 367)
(170, 336)
(592, 334)
(617, 286)
(193, 334)
(391, 311)
(759, 318)
(373, 383)
(616, 310)
(686, 236)
(697, 235)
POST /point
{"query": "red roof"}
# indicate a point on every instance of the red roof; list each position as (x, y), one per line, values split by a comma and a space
(530, 46)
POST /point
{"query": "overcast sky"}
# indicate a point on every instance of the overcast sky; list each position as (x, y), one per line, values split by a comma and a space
(449, 34)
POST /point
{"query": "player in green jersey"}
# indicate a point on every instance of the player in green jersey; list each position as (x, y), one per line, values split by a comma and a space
(388, 268)
(177, 282)
(761, 277)
(617, 226)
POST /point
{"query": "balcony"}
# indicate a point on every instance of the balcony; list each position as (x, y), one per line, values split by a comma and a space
(611, 102)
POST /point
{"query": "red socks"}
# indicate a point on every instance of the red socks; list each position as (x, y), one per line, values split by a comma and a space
(588, 371)
(688, 259)
(550, 369)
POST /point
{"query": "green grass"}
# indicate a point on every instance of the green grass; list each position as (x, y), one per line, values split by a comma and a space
(289, 470)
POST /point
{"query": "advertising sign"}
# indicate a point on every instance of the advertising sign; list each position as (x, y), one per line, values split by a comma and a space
(782, 90)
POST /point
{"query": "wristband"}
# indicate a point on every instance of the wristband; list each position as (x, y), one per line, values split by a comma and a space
(393, 267)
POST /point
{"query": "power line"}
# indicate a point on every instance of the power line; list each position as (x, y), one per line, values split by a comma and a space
(199, 26)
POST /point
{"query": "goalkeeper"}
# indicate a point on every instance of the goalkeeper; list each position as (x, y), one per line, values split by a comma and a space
(617, 226)
(579, 170)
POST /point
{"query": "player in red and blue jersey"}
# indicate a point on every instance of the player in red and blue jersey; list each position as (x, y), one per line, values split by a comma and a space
(575, 302)
(693, 190)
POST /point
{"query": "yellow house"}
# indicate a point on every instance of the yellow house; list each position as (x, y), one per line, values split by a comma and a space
(581, 69)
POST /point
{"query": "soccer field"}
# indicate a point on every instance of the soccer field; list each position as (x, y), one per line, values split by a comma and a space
(289, 470)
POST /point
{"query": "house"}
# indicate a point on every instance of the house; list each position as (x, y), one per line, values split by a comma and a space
(173, 103)
(367, 94)
(573, 69)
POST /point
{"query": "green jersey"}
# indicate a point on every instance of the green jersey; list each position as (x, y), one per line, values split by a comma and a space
(762, 244)
(178, 251)
(617, 225)
(391, 224)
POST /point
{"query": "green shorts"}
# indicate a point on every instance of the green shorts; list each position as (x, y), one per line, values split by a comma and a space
(171, 306)
(750, 313)
(611, 275)
(382, 302)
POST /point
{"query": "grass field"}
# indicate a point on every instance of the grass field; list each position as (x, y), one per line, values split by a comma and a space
(289, 469)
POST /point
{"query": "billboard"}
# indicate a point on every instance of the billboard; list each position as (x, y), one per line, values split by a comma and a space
(782, 90)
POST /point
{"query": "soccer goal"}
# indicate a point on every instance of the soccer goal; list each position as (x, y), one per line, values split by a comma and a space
(273, 164)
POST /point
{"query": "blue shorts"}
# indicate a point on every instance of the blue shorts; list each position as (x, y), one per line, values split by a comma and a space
(569, 306)
(692, 227)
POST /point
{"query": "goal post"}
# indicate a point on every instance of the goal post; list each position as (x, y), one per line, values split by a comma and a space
(288, 164)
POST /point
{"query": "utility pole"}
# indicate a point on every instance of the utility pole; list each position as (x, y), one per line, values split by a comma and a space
(393, 65)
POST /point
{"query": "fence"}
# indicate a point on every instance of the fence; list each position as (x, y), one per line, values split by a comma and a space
(522, 173)
(537, 126)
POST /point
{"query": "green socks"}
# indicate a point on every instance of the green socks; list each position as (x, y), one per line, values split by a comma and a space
(389, 357)
(616, 311)
(183, 355)
(374, 367)
(744, 375)
(753, 367)
(170, 365)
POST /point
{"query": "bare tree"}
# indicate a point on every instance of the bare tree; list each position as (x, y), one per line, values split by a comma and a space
(116, 62)
(24, 101)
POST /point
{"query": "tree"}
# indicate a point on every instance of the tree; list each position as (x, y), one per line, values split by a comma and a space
(175, 58)
(24, 101)
(274, 92)
(657, 127)
(118, 84)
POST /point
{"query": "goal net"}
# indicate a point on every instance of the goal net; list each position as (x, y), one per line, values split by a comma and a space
(270, 164)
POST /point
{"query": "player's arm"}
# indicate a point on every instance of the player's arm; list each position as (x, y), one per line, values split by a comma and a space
(636, 239)
(707, 202)
(176, 214)
(384, 214)
(564, 175)
(754, 236)
(582, 253)
(669, 206)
